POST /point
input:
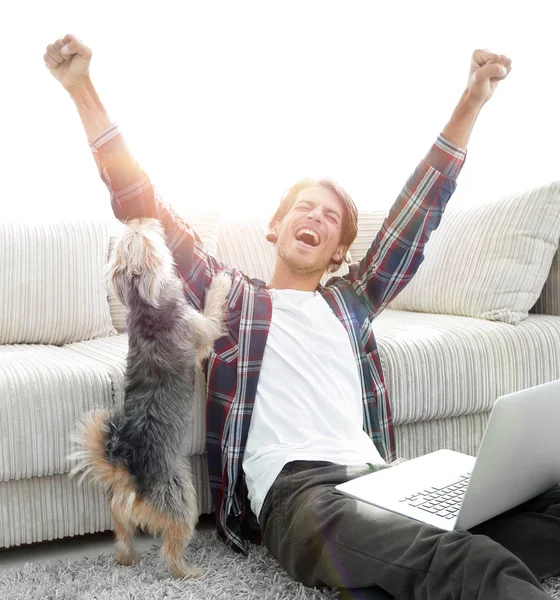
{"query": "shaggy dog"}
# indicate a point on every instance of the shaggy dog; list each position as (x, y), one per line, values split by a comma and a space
(138, 451)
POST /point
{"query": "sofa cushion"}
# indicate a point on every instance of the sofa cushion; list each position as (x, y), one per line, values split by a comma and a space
(52, 289)
(242, 244)
(55, 506)
(205, 225)
(111, 354)
(462, 434)
(489, 261)
(43, 390)
(438, 366)
(369, 223)
(549, 301)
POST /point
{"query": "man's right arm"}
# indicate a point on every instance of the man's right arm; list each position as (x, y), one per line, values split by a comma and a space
(132, 193)
(133, 196)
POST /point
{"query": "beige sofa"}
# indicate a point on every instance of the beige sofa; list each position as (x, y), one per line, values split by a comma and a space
(443, 371)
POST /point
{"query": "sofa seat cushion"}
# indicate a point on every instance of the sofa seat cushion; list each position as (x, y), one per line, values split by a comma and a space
(110, 354)
(439, 366)
(43, 390)
(46, 508)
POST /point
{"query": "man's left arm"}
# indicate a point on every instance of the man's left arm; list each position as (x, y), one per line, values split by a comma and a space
(398, 249)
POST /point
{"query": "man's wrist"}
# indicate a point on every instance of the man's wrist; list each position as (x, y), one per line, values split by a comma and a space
(82, 89)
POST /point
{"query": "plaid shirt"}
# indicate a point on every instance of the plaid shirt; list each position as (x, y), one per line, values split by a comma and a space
(232, 371)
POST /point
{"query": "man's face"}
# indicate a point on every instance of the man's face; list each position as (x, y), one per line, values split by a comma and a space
(309, 235)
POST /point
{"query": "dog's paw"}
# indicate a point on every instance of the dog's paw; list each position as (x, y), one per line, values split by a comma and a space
(127, 559)
(184, 571)
(220, 287)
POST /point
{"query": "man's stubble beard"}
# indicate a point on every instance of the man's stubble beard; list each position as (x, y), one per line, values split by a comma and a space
(296, 268)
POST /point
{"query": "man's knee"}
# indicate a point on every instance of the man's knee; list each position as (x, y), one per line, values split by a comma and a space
(472, 562)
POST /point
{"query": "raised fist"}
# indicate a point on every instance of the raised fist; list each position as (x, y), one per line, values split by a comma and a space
(68, 60)
(487, 70)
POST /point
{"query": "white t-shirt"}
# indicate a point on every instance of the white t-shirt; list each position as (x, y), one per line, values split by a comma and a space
(308, 404)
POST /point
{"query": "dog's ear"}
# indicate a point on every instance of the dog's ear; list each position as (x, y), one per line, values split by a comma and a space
(151, 261)
(120, 286)
(116, 277)
(150, 282)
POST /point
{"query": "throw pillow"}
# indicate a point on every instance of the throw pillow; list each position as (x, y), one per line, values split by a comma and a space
(489, 261)
(549, 301)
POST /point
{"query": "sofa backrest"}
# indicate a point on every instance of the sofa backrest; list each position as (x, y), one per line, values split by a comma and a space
(242, 244)
(369, 223)
(52, 289)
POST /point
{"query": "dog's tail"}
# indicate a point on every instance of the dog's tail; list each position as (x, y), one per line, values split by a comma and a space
(91, 441)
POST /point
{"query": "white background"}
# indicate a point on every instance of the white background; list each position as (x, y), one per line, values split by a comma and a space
(226, 104)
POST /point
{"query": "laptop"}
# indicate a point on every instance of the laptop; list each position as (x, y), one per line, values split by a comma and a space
(518, 459)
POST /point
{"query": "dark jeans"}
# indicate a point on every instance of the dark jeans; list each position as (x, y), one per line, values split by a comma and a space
(323, 538)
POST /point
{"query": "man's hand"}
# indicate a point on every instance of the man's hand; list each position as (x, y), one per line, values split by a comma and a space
(487, 70)
(68, 61)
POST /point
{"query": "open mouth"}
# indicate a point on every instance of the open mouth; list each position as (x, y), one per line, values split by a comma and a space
(308, 237)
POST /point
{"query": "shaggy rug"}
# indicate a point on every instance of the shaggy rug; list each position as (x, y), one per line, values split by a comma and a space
(228, 576)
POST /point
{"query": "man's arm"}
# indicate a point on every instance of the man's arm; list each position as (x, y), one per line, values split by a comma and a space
(132, 193)
(486, 71)
(90, 108)
(398, 249)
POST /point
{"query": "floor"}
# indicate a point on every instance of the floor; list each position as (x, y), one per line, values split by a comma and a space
(74, 548)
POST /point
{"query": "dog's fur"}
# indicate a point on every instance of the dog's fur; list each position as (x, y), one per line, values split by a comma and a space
(138, 451)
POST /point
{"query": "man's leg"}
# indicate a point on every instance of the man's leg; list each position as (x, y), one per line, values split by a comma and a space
(531, 531)
(322, 537)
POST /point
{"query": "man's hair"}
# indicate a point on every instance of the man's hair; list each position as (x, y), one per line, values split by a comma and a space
(349, 229)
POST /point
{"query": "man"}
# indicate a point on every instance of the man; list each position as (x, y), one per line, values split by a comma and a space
(296, 397)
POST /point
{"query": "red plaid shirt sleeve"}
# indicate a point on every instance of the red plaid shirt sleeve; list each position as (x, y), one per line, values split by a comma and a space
(398, 249)
(134, 196)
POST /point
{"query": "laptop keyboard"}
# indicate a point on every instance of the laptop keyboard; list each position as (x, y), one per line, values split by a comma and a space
(443, 502)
